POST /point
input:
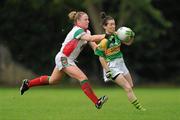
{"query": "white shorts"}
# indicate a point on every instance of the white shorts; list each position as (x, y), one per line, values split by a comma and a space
(62, 61)
(117, 66)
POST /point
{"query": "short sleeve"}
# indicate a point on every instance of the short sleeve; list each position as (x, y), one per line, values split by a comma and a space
(79, 33)
(100, 50)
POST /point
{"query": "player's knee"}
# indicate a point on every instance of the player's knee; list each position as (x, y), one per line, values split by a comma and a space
(53, 81)
(132, 85)
(128, 88)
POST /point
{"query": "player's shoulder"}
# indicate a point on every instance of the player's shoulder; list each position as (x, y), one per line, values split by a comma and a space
(78, 32)
(103, 42)
(77, 29)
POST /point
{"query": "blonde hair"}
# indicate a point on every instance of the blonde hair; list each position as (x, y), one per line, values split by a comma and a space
(73, 15)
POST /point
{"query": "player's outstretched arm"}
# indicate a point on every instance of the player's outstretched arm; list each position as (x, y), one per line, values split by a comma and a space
(93, 38)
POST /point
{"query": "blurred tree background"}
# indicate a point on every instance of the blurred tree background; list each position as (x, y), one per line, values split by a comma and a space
(33, 30)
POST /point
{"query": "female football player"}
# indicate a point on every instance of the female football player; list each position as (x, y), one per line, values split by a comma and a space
(111, 59)
(71, 47)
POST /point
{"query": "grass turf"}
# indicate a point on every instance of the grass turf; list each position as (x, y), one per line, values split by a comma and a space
(71, 104)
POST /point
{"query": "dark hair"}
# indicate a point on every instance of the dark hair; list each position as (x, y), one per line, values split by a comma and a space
(105, 18)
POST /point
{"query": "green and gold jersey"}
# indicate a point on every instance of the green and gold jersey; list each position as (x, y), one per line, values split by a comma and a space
(109, 48)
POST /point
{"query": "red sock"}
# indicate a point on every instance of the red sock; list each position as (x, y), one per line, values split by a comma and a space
(88, 91)
(42, 80)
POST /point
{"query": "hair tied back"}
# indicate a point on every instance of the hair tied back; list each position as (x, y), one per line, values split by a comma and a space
(103, 15)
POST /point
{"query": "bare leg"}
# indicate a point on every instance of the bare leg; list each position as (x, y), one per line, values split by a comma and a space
(56, 76)
(121, 81)
(129, 79)
(75, 72)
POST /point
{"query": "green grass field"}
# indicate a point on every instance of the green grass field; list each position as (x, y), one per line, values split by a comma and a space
(71, 104)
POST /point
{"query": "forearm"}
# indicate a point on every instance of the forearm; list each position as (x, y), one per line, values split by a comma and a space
(104, 63)
(93, 38)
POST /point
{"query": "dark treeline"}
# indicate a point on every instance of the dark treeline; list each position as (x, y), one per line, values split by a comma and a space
(33, 30)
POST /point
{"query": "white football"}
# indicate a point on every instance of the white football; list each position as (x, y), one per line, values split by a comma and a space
(122, 33)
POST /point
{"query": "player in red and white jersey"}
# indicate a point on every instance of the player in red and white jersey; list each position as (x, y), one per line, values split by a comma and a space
(71, 47)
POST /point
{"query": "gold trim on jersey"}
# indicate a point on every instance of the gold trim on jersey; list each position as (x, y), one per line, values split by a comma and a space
(112, 50)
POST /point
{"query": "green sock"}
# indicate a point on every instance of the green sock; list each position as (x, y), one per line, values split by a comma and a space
(137, 105)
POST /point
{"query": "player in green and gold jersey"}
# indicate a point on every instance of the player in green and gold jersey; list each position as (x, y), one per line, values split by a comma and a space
(111, 58)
